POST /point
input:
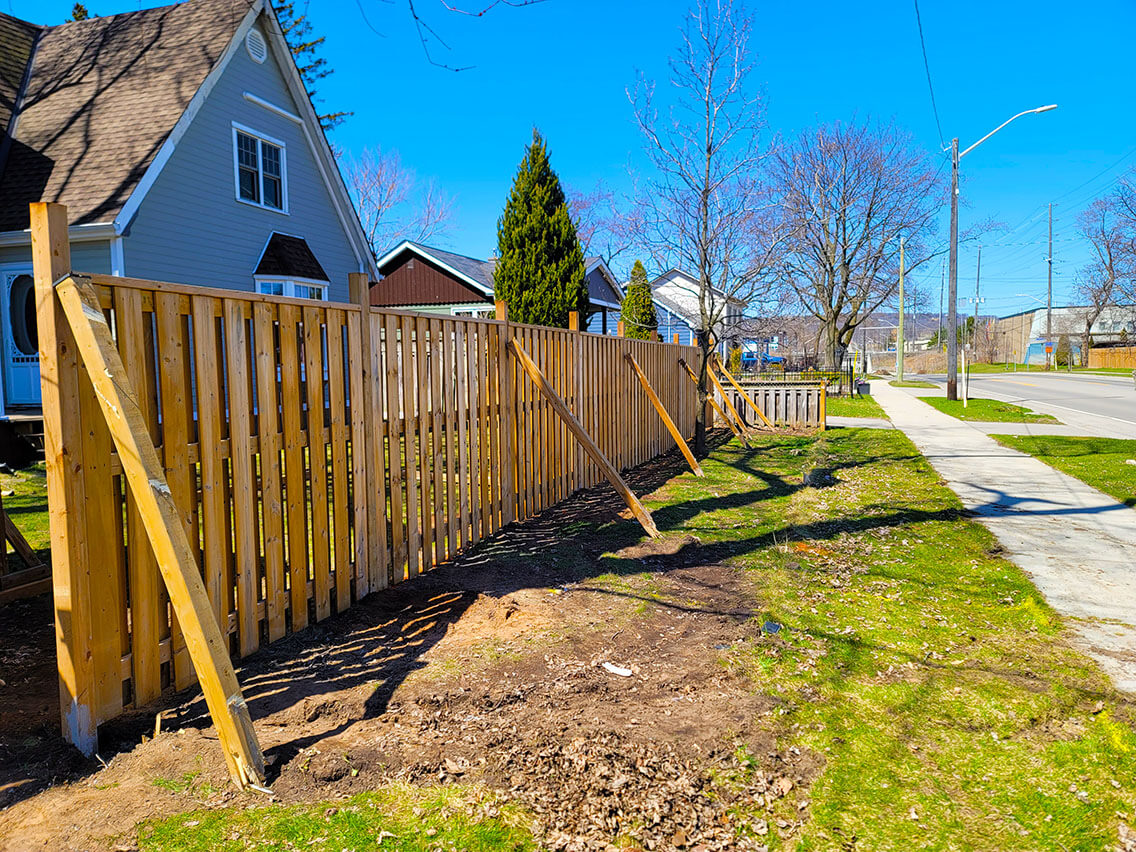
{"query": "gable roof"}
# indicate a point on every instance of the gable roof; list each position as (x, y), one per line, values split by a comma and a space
(289, 257)
(99, 101)
(477, 273)
(606, 291)
(691, 287)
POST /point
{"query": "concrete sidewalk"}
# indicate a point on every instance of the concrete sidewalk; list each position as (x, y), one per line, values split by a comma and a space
(1076, 544)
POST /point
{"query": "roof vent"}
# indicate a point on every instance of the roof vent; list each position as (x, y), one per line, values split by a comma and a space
(256, 46)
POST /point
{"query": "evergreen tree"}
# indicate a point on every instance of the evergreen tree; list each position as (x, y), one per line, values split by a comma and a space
(79, 13)
(297, 31)
(540, 266)
(638, 309)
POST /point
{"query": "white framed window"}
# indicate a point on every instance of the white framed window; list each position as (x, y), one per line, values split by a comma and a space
(294, 288)
(476, 313)
(260, 167)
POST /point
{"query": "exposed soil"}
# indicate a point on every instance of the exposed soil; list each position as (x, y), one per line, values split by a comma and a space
(486, 671)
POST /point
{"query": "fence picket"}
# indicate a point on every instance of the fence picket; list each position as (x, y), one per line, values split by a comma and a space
(272, 502)
(337, 423)
(317, 462)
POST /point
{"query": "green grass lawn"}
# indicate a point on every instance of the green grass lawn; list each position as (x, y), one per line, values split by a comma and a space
(1027, 368)
(853, 406)
(1100, 462)
(923, 669)
(987, 410)
(398, 817)
(27, 506)
(907, 383)
(919, 670)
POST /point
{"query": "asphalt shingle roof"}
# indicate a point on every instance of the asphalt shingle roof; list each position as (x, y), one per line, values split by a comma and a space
(102, 97)
(16, 40)
(290, 257)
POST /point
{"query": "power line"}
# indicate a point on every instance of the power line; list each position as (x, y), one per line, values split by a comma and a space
(927, 68)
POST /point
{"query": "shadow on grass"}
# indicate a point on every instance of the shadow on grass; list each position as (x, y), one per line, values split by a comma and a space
(382, 640)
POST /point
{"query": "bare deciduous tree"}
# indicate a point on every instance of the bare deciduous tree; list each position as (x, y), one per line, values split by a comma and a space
(605, 224)
(847, 193)
(1123, 203)
(702, 200)
(391, 203)
(1104, 225)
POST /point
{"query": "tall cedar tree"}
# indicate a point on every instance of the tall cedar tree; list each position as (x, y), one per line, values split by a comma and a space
(638, 309)
(297, 31)
(79, 13)
(540, 266)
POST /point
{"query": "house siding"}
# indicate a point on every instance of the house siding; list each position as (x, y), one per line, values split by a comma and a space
(412, 280)
(595, 323)
(671, 324)
(191, 229)
(93, 257)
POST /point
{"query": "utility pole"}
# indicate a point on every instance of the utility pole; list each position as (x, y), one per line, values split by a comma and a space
(974, 331)
(952, 279)
(899, 335)
(942, 281)
(1049, 296)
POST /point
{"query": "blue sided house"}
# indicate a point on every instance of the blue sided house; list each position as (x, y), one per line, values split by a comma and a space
(186, 149)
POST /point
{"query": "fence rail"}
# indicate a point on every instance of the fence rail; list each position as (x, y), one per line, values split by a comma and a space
(839, 381)
(316, 452)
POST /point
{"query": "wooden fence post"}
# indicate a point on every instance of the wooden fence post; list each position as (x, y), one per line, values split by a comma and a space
(620, 329)
(578, 392)
(164, 527)
(506, 402)
(62, 433)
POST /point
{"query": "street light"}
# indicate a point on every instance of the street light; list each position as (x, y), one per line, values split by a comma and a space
(952, 297)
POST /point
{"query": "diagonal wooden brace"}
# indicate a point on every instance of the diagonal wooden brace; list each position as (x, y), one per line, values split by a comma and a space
(608, 469)
(146, 479)
(663, 415)
(743, 393)
(710, 398)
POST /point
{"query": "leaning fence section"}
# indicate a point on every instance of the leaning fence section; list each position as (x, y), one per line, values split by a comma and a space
(317, 452)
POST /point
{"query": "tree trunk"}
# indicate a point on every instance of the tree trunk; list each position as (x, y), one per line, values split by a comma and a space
(704, 351)
(833, 349)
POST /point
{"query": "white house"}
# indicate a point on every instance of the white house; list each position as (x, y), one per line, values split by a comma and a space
(676, 305)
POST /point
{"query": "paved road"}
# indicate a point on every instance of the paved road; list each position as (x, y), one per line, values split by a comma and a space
(1077, 544)
(1100, 404)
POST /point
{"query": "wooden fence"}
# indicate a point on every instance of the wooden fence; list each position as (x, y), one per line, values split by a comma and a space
(1122, 357)
(798, 406)
(316, 452)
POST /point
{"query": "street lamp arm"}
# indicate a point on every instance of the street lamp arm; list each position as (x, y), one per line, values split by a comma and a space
(1003, 124)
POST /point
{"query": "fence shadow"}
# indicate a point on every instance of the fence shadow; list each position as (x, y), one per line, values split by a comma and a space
(381, 640)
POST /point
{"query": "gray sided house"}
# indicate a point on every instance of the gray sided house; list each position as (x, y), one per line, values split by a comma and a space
(186, 149)
(422, 278)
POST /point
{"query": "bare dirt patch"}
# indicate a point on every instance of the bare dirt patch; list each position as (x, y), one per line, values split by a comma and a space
(487, 671)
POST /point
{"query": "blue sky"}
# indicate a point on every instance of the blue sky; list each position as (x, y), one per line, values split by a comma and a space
(564, 66)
